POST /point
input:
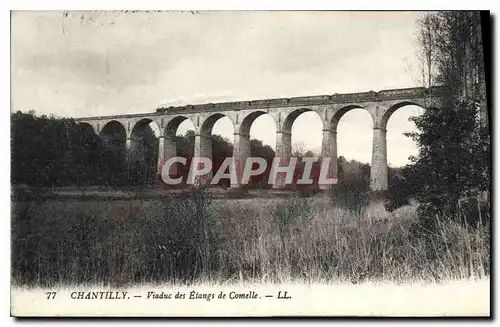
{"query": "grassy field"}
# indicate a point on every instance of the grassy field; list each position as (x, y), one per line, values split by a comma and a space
(195, 239)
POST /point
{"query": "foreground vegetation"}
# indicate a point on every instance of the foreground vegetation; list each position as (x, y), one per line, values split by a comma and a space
(196, 239)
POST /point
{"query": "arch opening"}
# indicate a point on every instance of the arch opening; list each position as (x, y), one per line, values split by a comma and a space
(87, 128)
(183, 131)
(91, 142)
(301, 137)
(219, 130)
(179, 142)
(88, 136)
(354, 128)
(400, 148)
(178, 126)
(306, 129)
(394, 108)
(261, 130)
(248, 121)
(113, 151)
(143, 152)
(261, 127)
(114, 129)
(340, 113)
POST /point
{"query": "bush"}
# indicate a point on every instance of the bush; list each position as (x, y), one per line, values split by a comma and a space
(290, 211)
(354, 195)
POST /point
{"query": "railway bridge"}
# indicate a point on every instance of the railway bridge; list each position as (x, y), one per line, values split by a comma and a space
(380, 105)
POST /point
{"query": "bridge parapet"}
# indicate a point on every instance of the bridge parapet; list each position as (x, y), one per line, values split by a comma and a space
(410, 93)
(114, 117)
(354, 97)
(419, 95)
(371, 96)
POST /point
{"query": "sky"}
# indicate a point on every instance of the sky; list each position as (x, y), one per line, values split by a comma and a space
(105, 63)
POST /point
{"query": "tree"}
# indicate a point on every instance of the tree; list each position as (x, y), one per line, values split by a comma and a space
(299, 148)
(142, 161)
(453, 158)
(49, 151)
(258, 149)
(309, 153)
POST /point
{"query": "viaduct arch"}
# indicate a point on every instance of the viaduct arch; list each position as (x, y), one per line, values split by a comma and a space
(380, 105)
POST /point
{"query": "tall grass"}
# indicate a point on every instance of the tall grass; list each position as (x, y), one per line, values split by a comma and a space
(274, 240)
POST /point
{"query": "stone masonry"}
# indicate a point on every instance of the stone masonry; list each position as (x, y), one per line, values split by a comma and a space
(380, 105)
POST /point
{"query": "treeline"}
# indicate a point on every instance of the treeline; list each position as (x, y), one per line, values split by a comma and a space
(55, 152)
(48, 151)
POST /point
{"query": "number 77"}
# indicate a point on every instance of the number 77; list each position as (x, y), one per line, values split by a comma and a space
(51, 295)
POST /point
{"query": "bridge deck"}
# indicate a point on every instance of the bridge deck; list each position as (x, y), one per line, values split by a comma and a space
(392, 94)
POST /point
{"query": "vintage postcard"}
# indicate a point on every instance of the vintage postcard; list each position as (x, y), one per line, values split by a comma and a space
(250, 163)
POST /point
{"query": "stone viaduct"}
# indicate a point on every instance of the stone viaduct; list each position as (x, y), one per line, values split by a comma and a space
(380, 105)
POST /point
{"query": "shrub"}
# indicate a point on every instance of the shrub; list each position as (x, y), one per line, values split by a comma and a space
(289, 211)
(354, 195)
